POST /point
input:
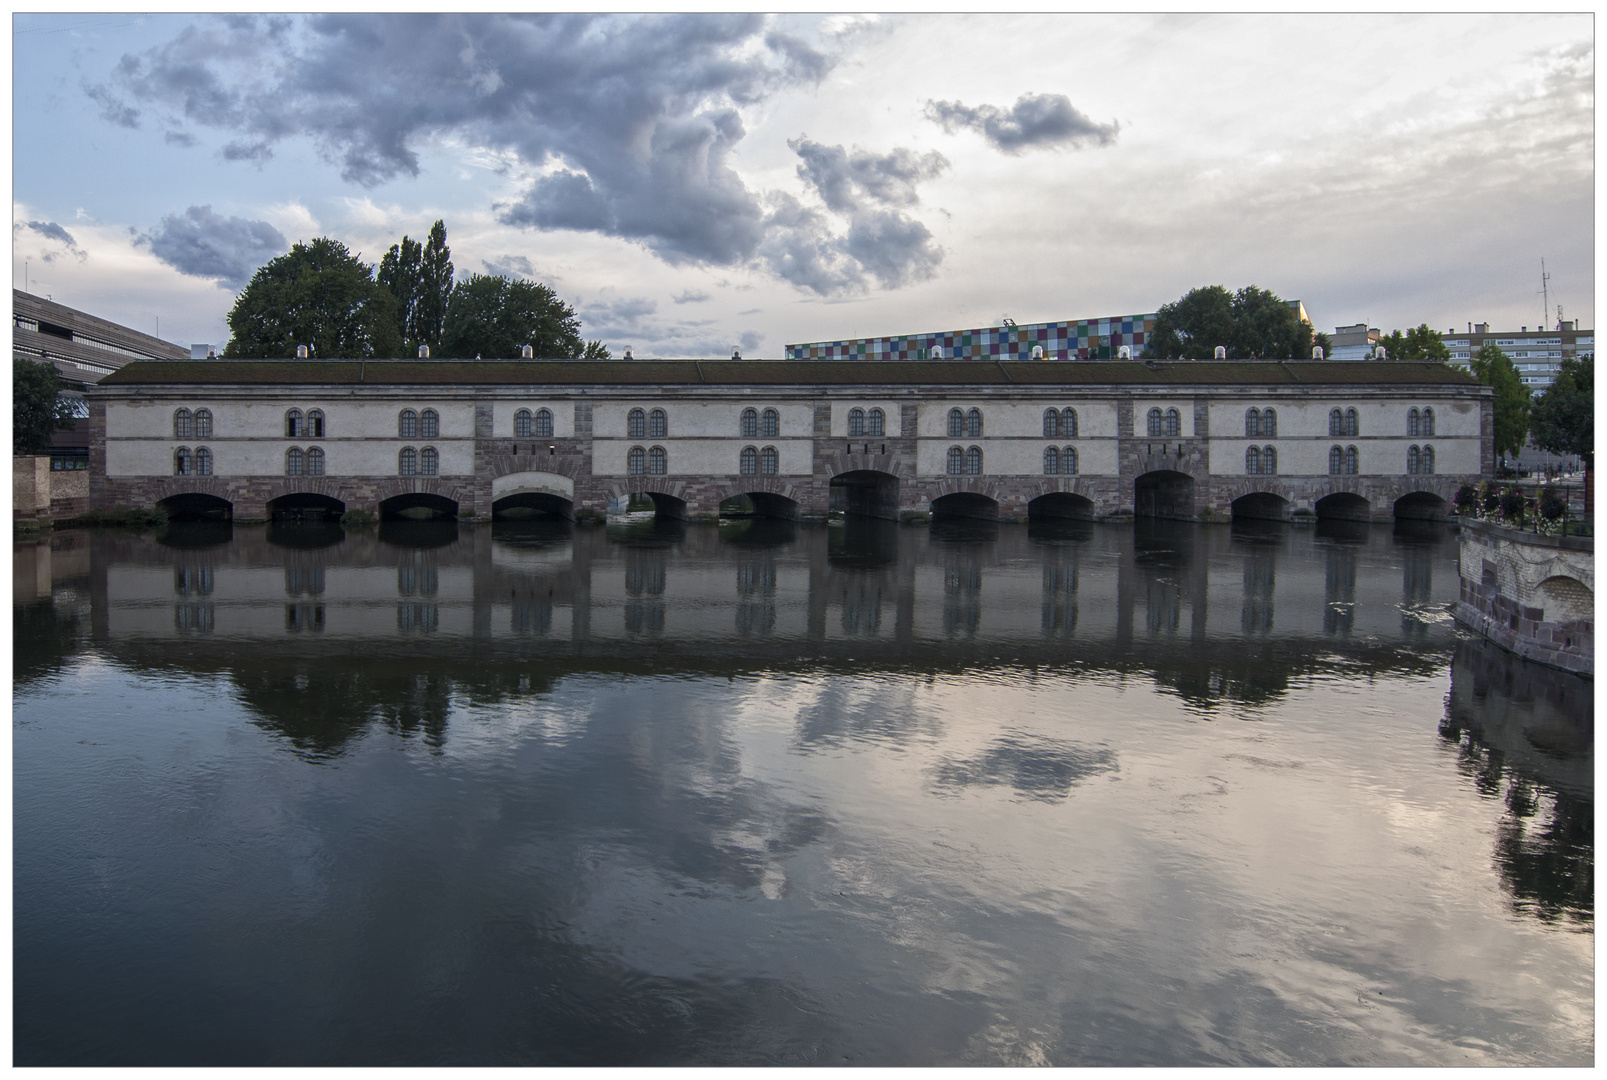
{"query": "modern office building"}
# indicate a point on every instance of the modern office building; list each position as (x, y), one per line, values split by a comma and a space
(84, 349)
(1537, 353)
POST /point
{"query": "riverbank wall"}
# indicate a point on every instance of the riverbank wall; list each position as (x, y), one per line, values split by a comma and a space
(1533, 595)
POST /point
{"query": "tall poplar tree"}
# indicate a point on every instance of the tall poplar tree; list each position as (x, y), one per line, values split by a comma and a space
(420, 277)
(1512, 400)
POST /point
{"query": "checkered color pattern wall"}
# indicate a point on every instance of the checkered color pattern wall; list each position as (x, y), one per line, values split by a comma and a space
(1073, 339)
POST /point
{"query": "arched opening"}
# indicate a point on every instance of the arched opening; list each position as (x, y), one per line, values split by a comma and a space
(527, 505)
(1060, 506)
(196, 506)
(965, 504)
(419, 506)
(1344, 506)
(305, 506)
(1566, 600)
(765, 504)
(1261, 506)
(663, 506)
(1421, 506)
(1164, 494)
(865, 493)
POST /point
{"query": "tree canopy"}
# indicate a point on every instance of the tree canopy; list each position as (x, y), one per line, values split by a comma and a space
(420, 277)
(320, 295)
(1252, 322)
(494, 317)
(1419, 343)
(36, 407)
(1495, 370)
(1564, 418)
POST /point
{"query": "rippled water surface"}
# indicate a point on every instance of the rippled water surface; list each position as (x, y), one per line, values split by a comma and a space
(765, 794)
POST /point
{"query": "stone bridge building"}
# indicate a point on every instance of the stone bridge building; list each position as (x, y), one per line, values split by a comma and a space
(899, 440)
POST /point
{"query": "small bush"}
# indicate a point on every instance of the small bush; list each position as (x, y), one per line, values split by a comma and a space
(1489, 497)
(1551, 504)
(1467, 497)
(1512, 503)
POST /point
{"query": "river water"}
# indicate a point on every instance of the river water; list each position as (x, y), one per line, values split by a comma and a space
(1070, 794)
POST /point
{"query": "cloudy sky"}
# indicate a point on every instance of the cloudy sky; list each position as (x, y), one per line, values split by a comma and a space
(690, 183)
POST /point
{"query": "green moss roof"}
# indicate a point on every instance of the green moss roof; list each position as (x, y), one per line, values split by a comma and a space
(782, 373)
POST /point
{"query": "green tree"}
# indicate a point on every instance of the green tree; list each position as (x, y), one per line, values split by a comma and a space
(400, 271)
(435, 286)
(319, 295)
(37, 409)
(493, 317)
(1564, 418)
(1495, 370)
(1249, 323)
(1419, 343)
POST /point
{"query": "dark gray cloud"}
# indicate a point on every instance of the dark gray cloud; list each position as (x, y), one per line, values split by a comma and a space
(632, 121)
(203, 244)
(1034, 120)
(510, 266)
(179, 138)
(691, 296)
(51, 231)
(631, 320)
(847, 180)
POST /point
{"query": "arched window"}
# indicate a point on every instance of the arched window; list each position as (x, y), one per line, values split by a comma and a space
(1351, 461)
(1051, 456)
(750, 457)
(658, 462)
(181, 461)
(407, 425)
(956, 460)
(1252, 461)
(876, 424)
(636, 424)
(1412, 455)
(295, 462)
(1413, 418)
(1174, 423)
(1068, 461)
(407, 461)
(636, 460)
(1336, 460)
(183, 425)
(1336, 422)
(521, 424)
(203, 461)
(1269, 458)
(1156, 423)
(1252, 424)
(750, 423)
(1427, 425)
(1051, 423)
(203, 423)
(770, 423)
(1068, 423)
(973, 461)
(1269, 424)
(956, 424)
(1428, 460)
(973, 424)
(315, 462)
(856, 423)
(1352, 423)
(315, 423)
(429, 424)
(658, 425)
(543, 423)
(769, 461)
(429, 462)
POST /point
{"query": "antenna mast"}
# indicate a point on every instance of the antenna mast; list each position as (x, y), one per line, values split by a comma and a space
(1545, 294)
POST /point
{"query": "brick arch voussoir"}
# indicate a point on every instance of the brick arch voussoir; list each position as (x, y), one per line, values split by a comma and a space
(196, 485)
(748, 485)
(499, 465)
(654, 485)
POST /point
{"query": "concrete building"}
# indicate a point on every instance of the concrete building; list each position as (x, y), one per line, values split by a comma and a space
(1353, 342)
(1180, 439)
(1537, 353)
(84, 349)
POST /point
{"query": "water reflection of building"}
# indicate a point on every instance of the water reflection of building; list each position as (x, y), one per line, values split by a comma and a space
(1524, 733)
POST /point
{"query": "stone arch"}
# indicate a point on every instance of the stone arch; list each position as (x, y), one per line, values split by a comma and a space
(865, 493)
(668, 495)
(305, 506)
(426, 504)
(1164, 493)
(771, 497)
(1261, 506)
(1061, 505)
(1421, 506)
(1565, 599)
(966, 504)
(1344, 506)
(196, 506)
(517, 493)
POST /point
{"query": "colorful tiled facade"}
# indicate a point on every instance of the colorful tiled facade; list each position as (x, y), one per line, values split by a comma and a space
(1074, 339)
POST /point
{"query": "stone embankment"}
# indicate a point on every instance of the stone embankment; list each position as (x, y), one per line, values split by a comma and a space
(1532, 595)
